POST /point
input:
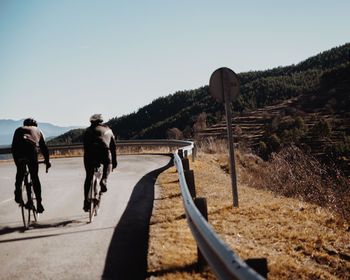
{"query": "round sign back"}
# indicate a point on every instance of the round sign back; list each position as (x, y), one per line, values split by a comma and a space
(222, 81)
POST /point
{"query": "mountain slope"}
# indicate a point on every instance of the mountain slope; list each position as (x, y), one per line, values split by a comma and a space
(258, 89)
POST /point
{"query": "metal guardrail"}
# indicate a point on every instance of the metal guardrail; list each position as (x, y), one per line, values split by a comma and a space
(224, 262)
(120, 143)
(5, 150)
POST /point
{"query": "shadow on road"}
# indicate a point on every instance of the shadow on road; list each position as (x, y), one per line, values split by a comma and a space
(7, 230)
(66, 223)
(52, 235)
(127, 253)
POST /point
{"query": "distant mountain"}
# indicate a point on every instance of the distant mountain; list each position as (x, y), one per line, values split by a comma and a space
(8, 127)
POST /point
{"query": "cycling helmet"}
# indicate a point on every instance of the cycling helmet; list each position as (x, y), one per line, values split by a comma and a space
(30, 122)
(96, 118)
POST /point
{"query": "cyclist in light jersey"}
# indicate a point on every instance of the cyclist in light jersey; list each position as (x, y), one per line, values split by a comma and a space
(99, 148)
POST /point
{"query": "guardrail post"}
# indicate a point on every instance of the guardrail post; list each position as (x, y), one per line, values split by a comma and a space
(201, 204)
(259, 265)
(185, 164)
(194, 152)
(189, 176)
(180, 153)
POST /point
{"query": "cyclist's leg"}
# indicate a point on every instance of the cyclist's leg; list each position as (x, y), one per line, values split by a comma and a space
(21, 169)
(89, 169)
(33, 170)
(107, 165)
(88, 181)
(107, 168)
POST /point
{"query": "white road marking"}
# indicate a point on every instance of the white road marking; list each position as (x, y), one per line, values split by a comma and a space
(7, 200)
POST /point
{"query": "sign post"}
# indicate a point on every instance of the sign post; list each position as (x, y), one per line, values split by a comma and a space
(224, 87)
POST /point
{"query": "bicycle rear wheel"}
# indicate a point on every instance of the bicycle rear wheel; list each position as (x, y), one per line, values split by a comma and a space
(92, 195)
(34, 211)
(24, 210)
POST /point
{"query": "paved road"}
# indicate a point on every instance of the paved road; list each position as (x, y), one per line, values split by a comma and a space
(63, 245)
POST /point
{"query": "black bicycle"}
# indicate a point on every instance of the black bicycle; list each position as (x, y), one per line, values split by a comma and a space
(95, 193)
(28, 209)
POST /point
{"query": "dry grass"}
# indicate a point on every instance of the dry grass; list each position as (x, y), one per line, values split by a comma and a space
(292, 173)
(172, 250)
(300, 240)
(143, 149)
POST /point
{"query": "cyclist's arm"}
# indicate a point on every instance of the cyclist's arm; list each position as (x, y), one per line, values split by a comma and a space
(87, 139)
(113, 148)
(44, 149)
(14, 145)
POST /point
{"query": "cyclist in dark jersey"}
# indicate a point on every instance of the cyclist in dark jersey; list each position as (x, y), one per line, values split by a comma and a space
(25, 147)
(99, 148)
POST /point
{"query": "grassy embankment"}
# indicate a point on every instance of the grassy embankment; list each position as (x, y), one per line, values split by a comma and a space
(300, 238)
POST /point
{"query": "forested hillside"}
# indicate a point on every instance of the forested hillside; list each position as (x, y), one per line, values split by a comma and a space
(258, 89)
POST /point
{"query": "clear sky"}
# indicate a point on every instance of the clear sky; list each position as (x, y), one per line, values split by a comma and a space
(61, 61)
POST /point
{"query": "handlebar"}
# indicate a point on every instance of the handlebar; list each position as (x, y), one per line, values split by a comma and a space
(43, 161)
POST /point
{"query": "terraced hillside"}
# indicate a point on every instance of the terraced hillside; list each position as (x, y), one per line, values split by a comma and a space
(248, 128)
